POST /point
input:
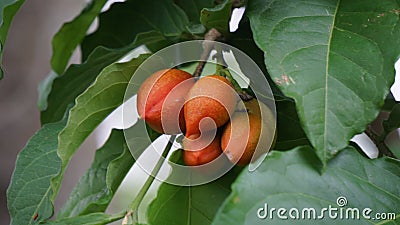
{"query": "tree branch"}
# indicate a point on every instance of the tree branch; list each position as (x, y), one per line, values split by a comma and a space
(133, 208)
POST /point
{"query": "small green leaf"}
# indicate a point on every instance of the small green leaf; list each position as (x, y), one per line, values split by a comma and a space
(71, 34)
(196, 29)
(334, 58)
(8, 9)
(44, 90)
(393, 122)
(118, 25)
(89, 219)
(92, 107)
(217, 17)
(292, 179)
(390, 102)
(77, 78)
(189, 205)
(29, 194)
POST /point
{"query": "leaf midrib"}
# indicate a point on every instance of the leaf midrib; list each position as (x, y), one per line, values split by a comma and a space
(326, 81)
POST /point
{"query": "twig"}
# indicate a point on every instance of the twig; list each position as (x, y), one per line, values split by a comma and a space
(208, 44)
(379, 142)
(133, 208)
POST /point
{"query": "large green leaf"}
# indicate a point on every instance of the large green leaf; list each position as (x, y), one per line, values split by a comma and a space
(292, 179)
(95, 189)
(89, 219)
(29, 194)
(8, 9)
(64, 89)
(118, 25)
(112, 162)
(242, 39)
(289, 131)
(71, 34)
(92, 107)
(101, 48)
(77, 78)
(189, 205)
(334, 58)
(217, 17)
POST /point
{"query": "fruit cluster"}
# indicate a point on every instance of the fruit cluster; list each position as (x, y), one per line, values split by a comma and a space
(210, 114)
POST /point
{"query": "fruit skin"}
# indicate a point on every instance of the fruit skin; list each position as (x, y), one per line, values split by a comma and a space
(161, 97)
(205, 152)
(212, 96)
(248, 125)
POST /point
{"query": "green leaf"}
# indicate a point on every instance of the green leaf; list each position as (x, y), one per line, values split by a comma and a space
(118, 25)
(334, 58)
(393, 122)
(8, 9)
(110, 43)
(29, 194)
(44, 89)
(195, 29)
(389, 125)
(390, 102)
(71, 34)
(193, 8)
(155, 35)
(77, 78)
(290, 134)
(96, 188)
(92, 107)
(243, 40)
(93, 192)
(90, 219)
(217, 17)
(291, 179)
(189, 205)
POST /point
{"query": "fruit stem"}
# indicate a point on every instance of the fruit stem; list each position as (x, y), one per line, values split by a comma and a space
(134, 206)
(208, 44)
(222, 70)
